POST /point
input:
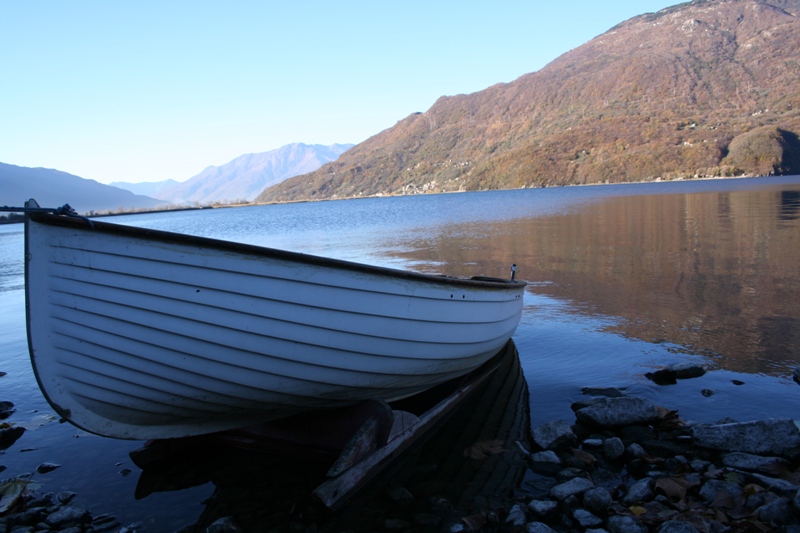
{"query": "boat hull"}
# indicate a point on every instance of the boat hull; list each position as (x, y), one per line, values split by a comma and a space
(142, 334)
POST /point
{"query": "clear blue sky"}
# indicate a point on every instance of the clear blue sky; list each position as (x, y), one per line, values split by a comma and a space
(146, 90)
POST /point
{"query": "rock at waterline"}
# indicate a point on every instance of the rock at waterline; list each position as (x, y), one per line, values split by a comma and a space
(796, 375)
(547, 460)
(762, 437)
(554, 435)
(9, 436)
(664, 376)
(6, 409)
(687, 370)
(46, 467)
(671, 374)
(65, 496)
(757, 463)
(614, 412)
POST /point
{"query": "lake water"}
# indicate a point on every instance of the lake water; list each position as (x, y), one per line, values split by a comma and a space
(624, 279)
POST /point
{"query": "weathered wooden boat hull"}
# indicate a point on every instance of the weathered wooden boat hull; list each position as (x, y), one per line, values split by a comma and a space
(143, 334)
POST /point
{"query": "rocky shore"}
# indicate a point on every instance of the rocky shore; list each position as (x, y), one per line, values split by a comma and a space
(622, 465)
(626, 465)
(46, 512)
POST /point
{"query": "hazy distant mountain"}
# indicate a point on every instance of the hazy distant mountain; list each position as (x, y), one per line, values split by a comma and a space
(146, 188)
(247, 175)
(703, 88)
(53, 188)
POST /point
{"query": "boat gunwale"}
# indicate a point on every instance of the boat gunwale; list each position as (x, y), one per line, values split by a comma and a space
(482, 282)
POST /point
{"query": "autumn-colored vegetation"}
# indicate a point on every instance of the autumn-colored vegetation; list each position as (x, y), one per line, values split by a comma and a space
(705, 88)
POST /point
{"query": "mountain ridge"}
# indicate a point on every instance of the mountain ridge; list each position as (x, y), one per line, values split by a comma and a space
(703, 88)
(240, 179)
(243, 178)
(54, 188)
(146, 188)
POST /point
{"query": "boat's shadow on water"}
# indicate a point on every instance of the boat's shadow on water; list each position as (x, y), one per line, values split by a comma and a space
(469, 465)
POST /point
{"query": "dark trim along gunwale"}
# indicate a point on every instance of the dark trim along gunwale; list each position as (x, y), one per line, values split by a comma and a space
(273, 253)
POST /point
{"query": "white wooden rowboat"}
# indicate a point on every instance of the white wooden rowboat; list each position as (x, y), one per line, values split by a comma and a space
(143, 334)
(436, 429)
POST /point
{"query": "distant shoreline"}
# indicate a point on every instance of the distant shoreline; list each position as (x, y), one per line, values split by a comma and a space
(15, 219)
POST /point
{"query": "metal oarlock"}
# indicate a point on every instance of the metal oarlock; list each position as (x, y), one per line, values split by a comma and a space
(32, 206)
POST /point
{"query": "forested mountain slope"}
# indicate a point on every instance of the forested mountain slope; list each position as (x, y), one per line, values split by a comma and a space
(708, 88)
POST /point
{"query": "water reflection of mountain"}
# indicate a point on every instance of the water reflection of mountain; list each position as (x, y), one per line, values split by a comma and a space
(717, 272)
(789, 205)
(263, 492)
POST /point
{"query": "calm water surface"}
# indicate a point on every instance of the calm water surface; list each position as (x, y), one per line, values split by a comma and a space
(624, 279)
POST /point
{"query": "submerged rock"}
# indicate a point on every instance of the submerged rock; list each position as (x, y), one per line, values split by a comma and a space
(609, 392)
(105, 524)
